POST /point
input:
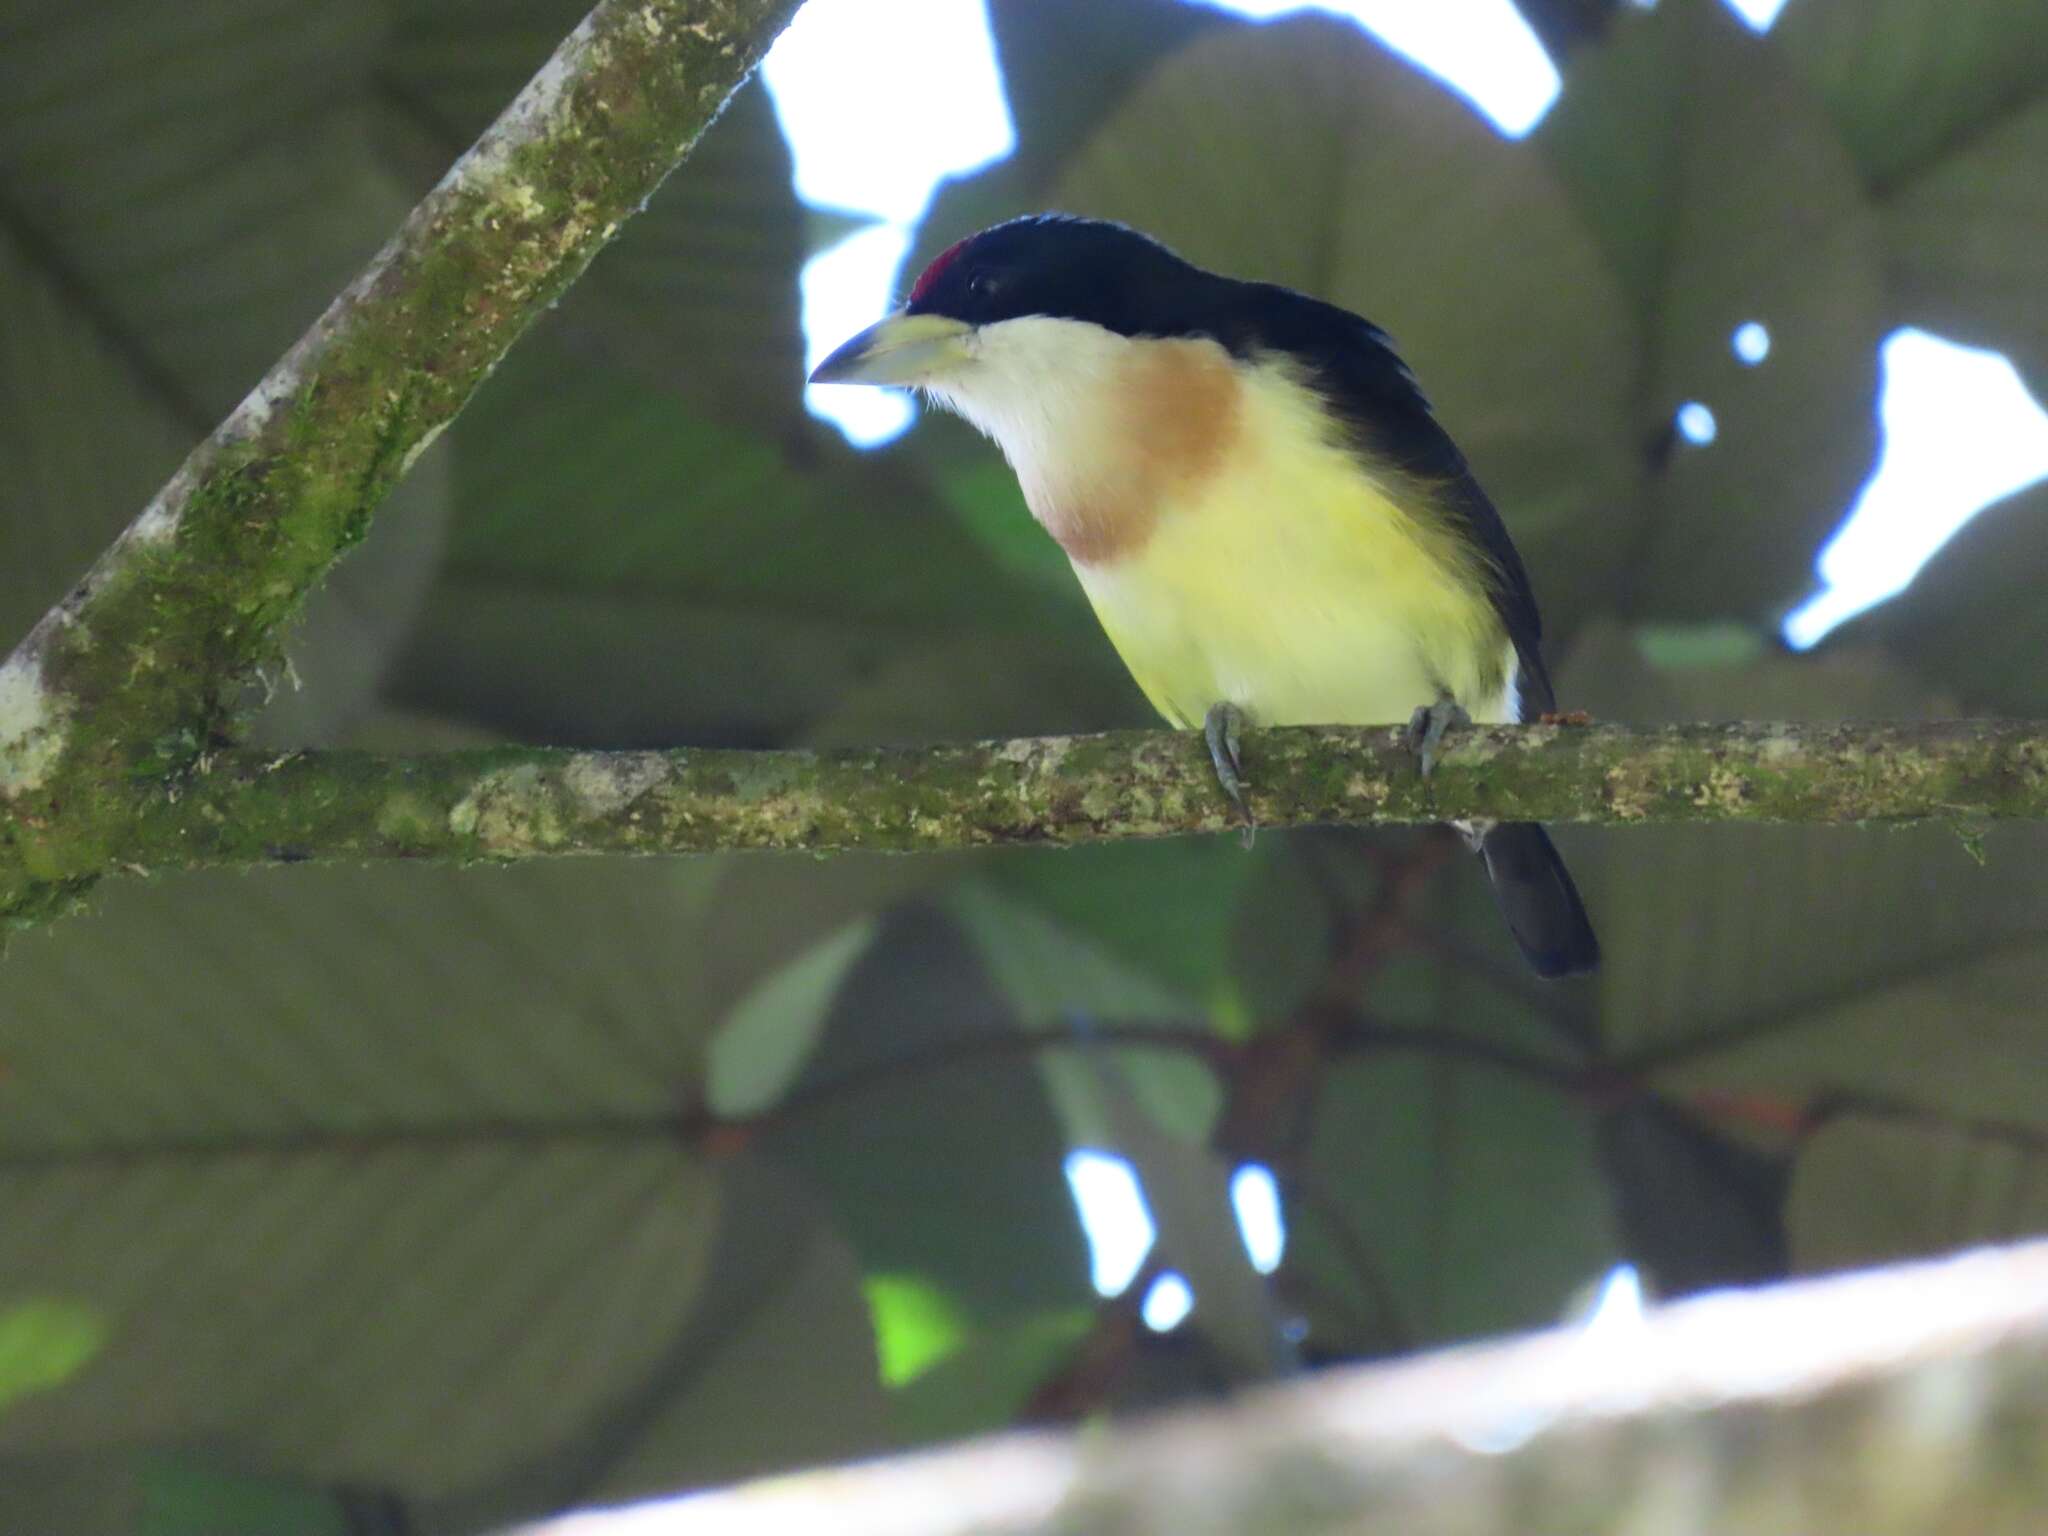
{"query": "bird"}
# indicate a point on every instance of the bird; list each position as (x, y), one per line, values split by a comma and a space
(1257, 498)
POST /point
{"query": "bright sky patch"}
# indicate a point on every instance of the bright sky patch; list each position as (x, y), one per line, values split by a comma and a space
(1961, 431)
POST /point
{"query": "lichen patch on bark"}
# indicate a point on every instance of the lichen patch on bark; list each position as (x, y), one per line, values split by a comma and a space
(32, 730)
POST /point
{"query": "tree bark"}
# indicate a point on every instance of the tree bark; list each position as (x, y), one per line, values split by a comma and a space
(243, 809)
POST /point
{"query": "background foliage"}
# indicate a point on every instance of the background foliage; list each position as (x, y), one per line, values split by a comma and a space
(327, 1194)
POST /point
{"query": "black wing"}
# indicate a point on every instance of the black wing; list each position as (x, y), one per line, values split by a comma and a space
(1354, 364)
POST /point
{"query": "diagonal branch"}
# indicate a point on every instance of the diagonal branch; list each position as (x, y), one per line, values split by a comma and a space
(143, 666)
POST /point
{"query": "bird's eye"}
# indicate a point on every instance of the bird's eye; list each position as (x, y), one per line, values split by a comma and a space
(981, 284)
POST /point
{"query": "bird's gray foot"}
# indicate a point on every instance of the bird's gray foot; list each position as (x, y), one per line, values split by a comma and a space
(1220, 728)
(1427, 726)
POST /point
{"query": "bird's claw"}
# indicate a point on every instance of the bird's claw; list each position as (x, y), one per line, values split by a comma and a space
(1221, 729)
(1427, 726)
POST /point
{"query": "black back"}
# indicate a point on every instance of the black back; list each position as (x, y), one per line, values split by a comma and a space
(1126, 282)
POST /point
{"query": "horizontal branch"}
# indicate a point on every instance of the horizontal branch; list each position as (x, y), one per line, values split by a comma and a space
(513, 803)
(1912, 1401)
(144, 664)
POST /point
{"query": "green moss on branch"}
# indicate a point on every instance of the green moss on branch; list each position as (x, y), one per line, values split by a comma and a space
(144, 667)
(517, 803)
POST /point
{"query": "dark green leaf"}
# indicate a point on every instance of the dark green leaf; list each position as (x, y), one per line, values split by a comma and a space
(84, 441)
(950, 1173)
(1910, 83)
(1744, 935)
(1758, 972)
(1945, 106)
(1720, 193)
(775, 1369)
(1165, 907)
(1867, 1188)
(1462, 1199)
(985, 1384)
(1973, 622)
(623, 570)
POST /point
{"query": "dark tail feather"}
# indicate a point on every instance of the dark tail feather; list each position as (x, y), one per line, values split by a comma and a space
(1538, 899)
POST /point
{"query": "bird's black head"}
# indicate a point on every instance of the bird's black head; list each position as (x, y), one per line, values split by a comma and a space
(1063, 268)
(1057, 267)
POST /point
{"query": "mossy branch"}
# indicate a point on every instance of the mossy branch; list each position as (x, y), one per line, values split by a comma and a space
(1911, 1401)
(242, 808)
(144, 666)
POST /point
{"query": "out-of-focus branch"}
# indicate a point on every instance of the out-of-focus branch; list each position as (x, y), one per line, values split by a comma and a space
(140, 670)
(1911, 1401)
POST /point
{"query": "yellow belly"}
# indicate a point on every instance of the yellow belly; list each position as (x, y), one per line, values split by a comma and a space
(1303, 597)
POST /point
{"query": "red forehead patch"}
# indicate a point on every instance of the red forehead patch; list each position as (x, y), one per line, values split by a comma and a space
(937, 269)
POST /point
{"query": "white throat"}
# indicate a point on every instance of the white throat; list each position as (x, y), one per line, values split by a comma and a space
(1105, 432)
(1045, 391)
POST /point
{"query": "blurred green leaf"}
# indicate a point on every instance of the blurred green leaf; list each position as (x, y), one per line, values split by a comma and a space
(84, 441)
(211, 1009)
(1152, 1104)
(1280, 935)
(1720, 193)
(593, 668)
(320, 1200)
(775, 1368)
(1696, 1208)
(949, 1171)
(185, 1496)
(574, 476)
(136, 1491)
(1164, 907)
(1739, 933)
(1963, 242)
(1065, 986)
(762, 1044)
(44, 1342)
(1454, 1198)
(1944, 103)
(242, 197)
(983, 1385)
(1681, 647)
(916, 1327)
(1908, 82)
(623, 569)
(1755, 972)
(1437, 1193)
(331, 1151)
(323, 1308)
(1956, 1034)
(1944, 1186)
